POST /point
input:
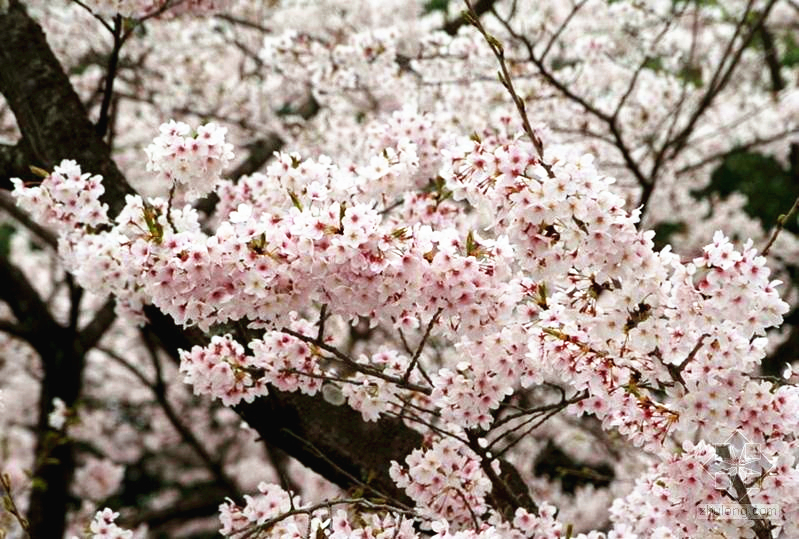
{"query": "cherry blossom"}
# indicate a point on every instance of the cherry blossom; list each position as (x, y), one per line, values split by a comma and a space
(471, 260)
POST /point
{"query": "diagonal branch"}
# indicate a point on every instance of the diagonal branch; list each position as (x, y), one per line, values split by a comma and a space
(674, 145)
(14, 162)
(9, 205)
(480, 7)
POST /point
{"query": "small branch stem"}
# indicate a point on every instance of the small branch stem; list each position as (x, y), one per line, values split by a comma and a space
(780, 225)
(365, 369)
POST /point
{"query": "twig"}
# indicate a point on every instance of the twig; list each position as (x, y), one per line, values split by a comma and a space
(676, 370)
(535, 425)
(169, 206)
(746, 146)
(561, 28)
(674, 145)
(320, 336)
(243, 22)
(761, 526)
(780, 225)
(482, 6)
(428, 424)
(365, 369)
(339, 469)
(542, 409)
(561, 87)
(11, 506)
(95, 15)
(327, 504)
(507, 82)
(418, 353)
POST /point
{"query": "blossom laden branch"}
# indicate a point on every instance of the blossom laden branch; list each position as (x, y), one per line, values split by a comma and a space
(761, 526)
(507, 82)
(676, 370)
(360, 367)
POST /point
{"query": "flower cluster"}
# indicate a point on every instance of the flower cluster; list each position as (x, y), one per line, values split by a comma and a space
(680, 493)
(737, 288)
(270, 510)
(194, 160)
(222, 370)
(543, 524)
(287, 362)
(407, 124)
(490, 369)
(103, 526)
(342, 526)
(263, 265)
(446, 481)
(66, 199)
(558, 285)
(372, 396)
(270, 503)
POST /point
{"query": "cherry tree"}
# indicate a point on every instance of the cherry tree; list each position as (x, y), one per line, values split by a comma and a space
(390, 269)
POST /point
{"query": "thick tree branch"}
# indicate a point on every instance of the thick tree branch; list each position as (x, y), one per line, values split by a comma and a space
(48, 111)
(14, 162)
(54, 126)
(92, 332)
(30, 310)
(9, 205)
(16, 330)
(334, 440)
(62, 360)
(110, 74)
(772, 59)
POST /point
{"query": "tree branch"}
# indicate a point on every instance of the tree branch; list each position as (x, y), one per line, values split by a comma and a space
(110, 74)
(772, 59)
(14, 162)
(9, 205)
(480, 7)
(49, 113)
